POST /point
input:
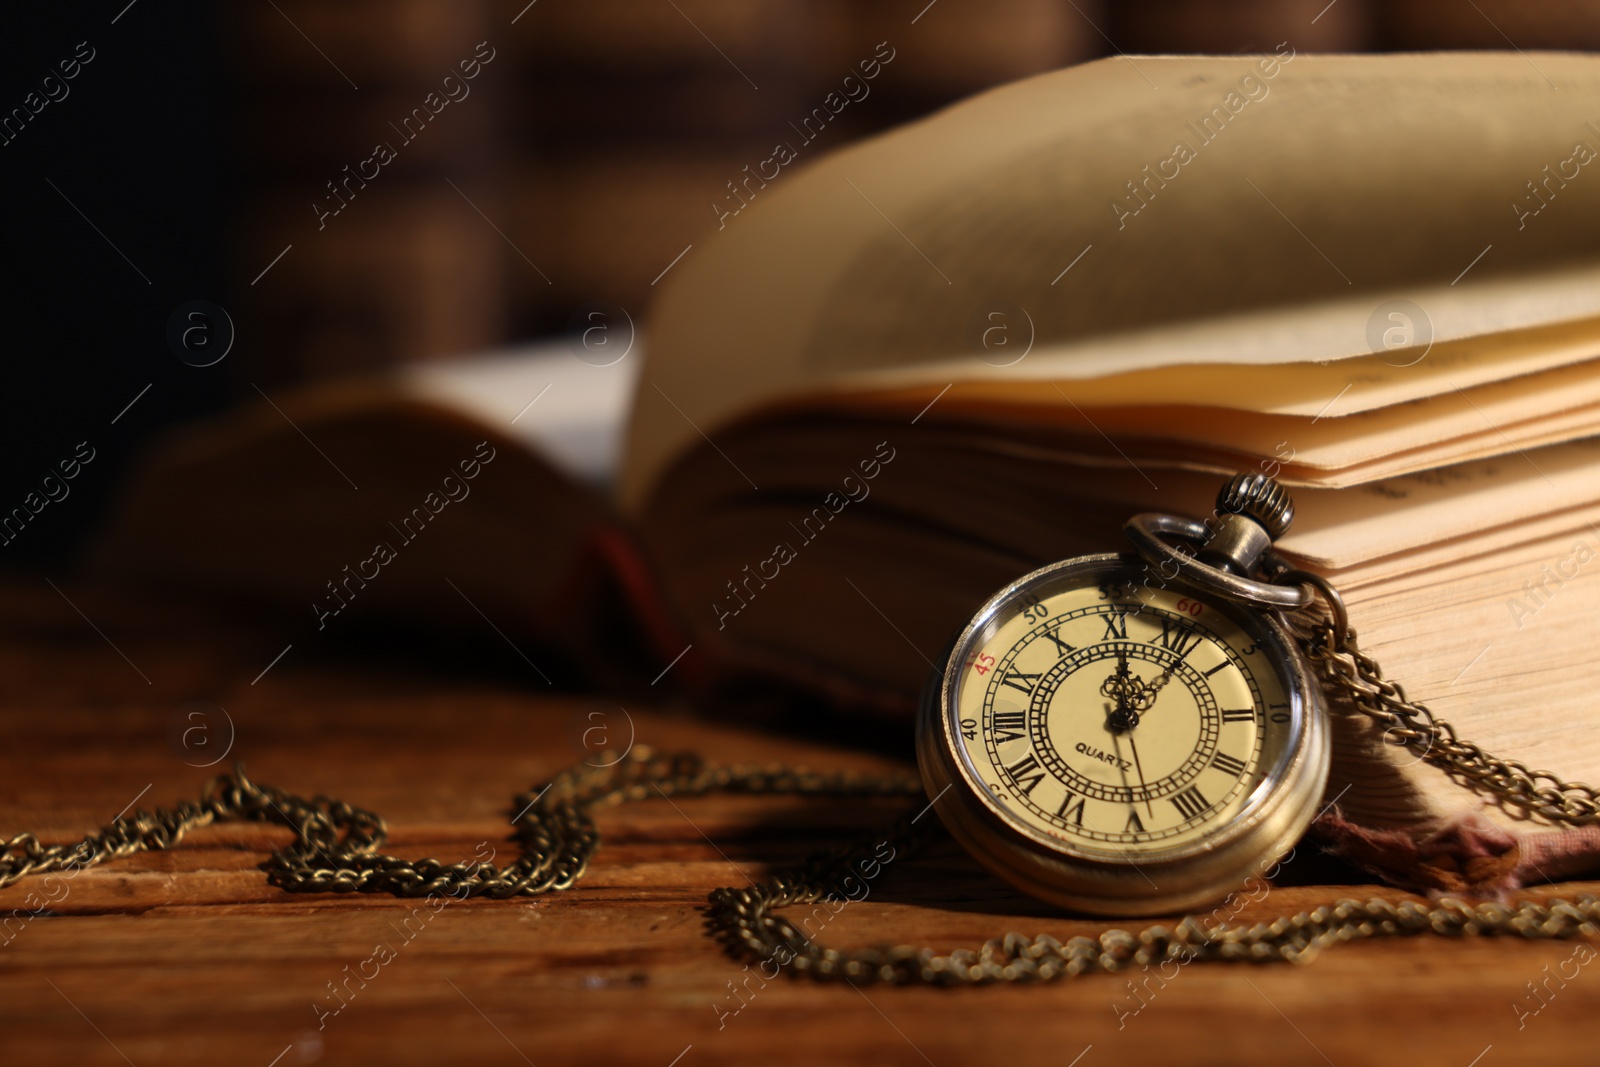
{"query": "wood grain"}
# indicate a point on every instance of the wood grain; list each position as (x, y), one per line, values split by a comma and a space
(187, 956)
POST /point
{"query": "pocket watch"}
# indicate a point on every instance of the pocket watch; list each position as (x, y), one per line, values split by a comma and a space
(1135, 734)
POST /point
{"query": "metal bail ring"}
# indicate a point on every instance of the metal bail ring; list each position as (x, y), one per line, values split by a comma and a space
(1148, 532)
(1336, 608)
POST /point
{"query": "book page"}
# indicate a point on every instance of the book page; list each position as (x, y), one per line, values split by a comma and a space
(1192, 206)
(1515, 411)
(1500, 646)
(1315, 389)
(1479, 545)
(570, 412)
(1337, 528)
(1493, 441)
(1340, 530)
(1330, 448)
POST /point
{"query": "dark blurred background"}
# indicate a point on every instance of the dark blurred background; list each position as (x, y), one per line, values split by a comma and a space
(154, 154)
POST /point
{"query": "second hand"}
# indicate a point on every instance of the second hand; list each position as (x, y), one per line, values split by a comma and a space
(1134, 746)
(1122, 769)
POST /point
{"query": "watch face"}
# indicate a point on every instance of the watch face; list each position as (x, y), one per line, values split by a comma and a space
(1118, 720)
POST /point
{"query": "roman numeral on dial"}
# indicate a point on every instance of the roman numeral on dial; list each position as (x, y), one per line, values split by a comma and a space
(1177, 638)
(1027, 773)
(1134, 826)
(1190, 802)
(1116, 626)
(1076, 809)
(1009, 725)
(1239, 715)
(1026, 684)
(1227, 764)
(1062, 647)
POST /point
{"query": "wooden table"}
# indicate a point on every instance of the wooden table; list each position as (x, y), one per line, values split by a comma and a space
(188, 956)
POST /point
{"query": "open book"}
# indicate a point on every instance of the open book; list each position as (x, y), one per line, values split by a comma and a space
(921, 366)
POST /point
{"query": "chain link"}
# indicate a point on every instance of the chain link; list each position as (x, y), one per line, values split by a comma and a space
(336, 845)
(336, 851)
(745, 921)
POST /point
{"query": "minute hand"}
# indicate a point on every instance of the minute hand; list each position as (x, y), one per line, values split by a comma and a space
(1144, 699)
(1163, 679)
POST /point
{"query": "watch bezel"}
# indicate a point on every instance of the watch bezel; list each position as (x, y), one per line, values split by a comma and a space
(1274, 814)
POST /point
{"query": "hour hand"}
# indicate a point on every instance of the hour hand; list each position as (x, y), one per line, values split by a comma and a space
(1120, 684)
(1129, 691)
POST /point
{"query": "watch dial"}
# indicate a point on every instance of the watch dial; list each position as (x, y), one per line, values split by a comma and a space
(1116, 719)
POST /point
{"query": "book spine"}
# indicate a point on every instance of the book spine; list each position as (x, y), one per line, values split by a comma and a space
(365, 129)
(1429, 24)
(1226, 27)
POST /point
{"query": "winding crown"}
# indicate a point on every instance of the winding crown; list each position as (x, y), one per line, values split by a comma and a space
(1258, 497)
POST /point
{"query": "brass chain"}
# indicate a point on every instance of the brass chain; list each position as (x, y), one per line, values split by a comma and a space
(745, 921)
(336, 851)
(336, 847)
